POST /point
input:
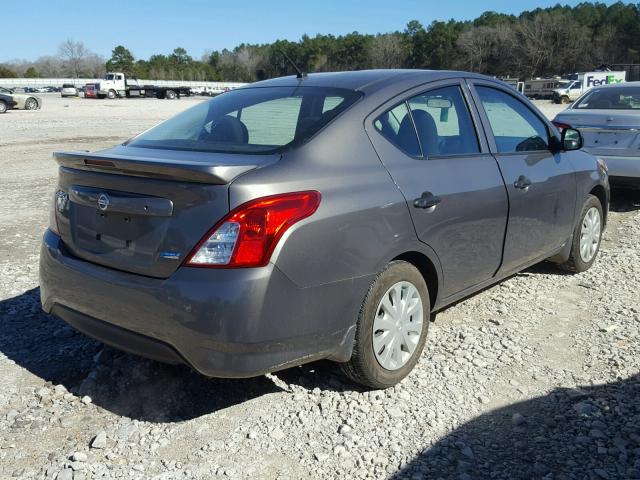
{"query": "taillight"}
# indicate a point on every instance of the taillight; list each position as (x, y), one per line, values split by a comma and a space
(561, 126)
(247, 236)
(59, 204)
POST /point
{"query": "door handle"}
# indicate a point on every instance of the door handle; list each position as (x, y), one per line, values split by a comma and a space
(427, 200)
(522, 183)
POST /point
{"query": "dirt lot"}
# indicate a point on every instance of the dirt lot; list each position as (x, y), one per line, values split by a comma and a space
(537, 377)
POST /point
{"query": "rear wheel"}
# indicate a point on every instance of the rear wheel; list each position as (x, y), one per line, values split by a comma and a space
(30, 104)
(3, 106)
(170, 95)
(586, 237)
(391, 328)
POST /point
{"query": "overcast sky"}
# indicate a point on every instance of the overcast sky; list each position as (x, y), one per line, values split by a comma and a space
(32, 28)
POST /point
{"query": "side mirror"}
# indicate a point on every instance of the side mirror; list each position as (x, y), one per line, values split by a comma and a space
(571, 139)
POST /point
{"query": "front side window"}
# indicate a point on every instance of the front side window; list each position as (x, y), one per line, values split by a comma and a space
(250, 120)
(625, 98)
(443, 122)
(515, 127)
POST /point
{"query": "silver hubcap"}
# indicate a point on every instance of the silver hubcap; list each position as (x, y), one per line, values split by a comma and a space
(397, 326)
(590, 234)
(30, 105)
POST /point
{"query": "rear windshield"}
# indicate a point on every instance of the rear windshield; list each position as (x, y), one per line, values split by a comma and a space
(68, 85)
(250, 120)
(623, 98)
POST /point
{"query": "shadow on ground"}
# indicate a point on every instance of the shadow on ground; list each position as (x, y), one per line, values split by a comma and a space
(592, 433)
(121, 383)
(624, 200)
(128, 385)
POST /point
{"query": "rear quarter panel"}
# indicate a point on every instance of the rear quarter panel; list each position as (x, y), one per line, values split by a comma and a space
(363, 220)
(589, 175)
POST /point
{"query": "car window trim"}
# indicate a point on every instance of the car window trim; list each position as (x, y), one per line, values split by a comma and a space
(552, 131)
(425, 87)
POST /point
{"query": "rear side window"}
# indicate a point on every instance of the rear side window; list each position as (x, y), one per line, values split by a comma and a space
(250, 120)
(515, 127)
(396, 126)
(443, 122)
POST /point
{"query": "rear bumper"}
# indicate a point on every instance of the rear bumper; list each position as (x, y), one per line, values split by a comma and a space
(628, 167)
(222, 322)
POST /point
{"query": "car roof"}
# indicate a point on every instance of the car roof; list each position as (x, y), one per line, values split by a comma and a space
(365, 80)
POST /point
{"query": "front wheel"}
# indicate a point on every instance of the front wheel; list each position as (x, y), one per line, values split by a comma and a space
(392, 327)
(586, 237)
(564, 99)
(111, 94)
(3, 107)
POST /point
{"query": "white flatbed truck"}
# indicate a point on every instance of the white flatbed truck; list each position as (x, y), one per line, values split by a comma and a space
(116, 84)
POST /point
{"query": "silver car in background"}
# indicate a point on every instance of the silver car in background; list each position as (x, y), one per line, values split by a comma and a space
(609, 119)
(68, 90)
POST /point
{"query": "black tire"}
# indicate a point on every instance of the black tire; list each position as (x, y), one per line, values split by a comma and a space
(30, 104)
(112, 94)
(576, 262)
(363, 367)
(170, 95)
(3, 106)
(564, 99)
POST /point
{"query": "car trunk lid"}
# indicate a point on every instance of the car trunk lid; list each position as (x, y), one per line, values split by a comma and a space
(607, 132)
(143, 211)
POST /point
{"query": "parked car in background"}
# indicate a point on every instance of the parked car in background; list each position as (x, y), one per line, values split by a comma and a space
(68, 90)
(90, 91)
(321, 217)
(6, 102)
(24, 101)
(609, 119)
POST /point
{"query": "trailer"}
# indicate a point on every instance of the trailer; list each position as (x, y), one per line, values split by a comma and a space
(116, 84)
(542, 87)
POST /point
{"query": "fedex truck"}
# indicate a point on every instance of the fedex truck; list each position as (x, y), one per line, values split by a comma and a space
(583, 82)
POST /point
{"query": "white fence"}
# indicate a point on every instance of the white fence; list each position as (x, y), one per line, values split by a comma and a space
(79, 82)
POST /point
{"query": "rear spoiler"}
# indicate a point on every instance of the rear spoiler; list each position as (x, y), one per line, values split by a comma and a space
(161, 168)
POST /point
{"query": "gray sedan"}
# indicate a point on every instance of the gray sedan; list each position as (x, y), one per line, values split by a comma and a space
(328, 216)
(609, 119)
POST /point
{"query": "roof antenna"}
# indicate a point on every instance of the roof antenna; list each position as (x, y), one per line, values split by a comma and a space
(299, 73)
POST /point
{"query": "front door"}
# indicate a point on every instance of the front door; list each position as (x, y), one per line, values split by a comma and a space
(540, 182)
(429, 143)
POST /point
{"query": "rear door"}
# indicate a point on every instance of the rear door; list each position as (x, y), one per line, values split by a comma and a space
(540, 183)
(428, 141)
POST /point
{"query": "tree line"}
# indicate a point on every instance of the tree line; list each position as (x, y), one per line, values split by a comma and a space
(540, 42)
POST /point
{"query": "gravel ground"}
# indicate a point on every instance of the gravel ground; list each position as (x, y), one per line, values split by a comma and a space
(537, 377)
